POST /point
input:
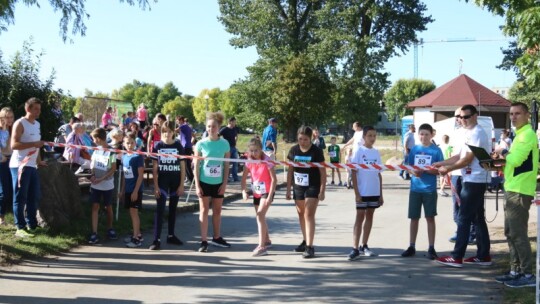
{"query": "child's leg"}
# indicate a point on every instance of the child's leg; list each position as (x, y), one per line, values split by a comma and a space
(301, 209)
(413, 230)
(431, 230)
(110, 216)
(261, 223)
(204, 207)
(309, 218)
(95, 213)
(332, 174)
(173, 203)
(158, 215)
(216, 216)
(367, 225)
(135, 221)
(357, 230)
(338, 174)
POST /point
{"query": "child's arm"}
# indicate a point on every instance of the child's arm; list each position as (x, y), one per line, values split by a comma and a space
(196, 172)
(180, 190)
(243, 183)
(223, 186)
(381, 199)
(122, 187)
(135, 193)
(290, 173)
(322, 172)
(157, 193)
(273, 183)
(357, 196)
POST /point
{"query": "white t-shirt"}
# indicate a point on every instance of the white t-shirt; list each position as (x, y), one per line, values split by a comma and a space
(368, 180)
(456, 141)
(475, 137)
(358, 140)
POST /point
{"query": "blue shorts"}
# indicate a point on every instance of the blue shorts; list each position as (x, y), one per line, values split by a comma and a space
(101, 196)
(418, 199)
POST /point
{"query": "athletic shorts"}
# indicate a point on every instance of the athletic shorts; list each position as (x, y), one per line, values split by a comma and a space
(211, 190)
(300, 193)
(101, 196)
(368, 202)
(129, 204)
(257, 200)
(417, 200)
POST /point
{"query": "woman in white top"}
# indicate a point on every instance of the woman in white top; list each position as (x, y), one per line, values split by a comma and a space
(357, 140)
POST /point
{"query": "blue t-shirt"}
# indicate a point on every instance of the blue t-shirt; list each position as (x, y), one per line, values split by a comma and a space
(131, 164)
(424, 156)
(269, 136)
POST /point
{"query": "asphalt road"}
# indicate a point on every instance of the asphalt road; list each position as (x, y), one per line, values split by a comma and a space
(111, 273)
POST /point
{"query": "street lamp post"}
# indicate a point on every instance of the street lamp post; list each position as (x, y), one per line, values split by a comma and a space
(206, 97)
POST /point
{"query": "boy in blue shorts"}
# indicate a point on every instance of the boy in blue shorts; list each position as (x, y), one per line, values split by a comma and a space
(423, 189)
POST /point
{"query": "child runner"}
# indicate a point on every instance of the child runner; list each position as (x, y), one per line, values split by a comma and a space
(103, 166)
(334, 153)
(131, 190)
(263, 185)
(169, 173)
(423, 189)
(309, 187)
(367, 186)
(211, 179)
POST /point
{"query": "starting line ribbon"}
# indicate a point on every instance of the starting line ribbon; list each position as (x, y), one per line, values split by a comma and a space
(274, 162)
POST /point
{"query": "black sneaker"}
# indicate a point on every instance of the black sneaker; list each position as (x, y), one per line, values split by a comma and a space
(220, 242)
(156, 245)
(301, 247)
(203, 247)
(432, 254)
(309, 252)
(411, 251)
(172, 239)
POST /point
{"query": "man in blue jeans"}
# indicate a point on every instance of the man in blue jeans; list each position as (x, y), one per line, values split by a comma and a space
(474, 179)
(26, 142)
(230, 133)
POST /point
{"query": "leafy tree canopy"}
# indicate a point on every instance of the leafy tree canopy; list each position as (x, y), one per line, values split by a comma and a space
(403, 92)
(206, 101)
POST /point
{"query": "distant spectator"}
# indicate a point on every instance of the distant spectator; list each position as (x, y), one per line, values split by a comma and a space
(269, 139)
(142, 116)
(230, 133)
(185, 134)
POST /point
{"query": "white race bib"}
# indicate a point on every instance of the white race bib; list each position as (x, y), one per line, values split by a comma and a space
(212, 170)
(128, 173)
(168, 159)
(422, 160)
(332, 154)
(301, 179)
(258, 187)
(102, 160)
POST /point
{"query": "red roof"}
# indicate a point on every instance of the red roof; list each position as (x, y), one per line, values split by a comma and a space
(460, 91)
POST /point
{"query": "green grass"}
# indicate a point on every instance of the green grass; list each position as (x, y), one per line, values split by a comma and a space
(515, 295)
(47, 241)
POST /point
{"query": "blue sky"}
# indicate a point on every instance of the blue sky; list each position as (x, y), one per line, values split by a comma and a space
(183, 42)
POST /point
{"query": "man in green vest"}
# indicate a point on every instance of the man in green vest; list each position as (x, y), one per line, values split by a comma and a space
(521, 168)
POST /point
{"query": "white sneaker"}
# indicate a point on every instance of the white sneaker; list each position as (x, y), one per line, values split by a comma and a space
(368, 252)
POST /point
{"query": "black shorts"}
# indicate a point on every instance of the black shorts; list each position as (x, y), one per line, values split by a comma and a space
(300, 193)
(257, 200)
(101, 196)
(129, 204)
(211, 190)
(368, 202)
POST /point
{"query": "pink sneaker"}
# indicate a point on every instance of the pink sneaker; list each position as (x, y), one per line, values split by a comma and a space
(478, 261)
(259, 251)
(450, 261)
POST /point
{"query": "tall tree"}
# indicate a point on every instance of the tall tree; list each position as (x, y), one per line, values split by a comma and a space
(207, 101)
(403, 92)
(179, 106)
(73, 18)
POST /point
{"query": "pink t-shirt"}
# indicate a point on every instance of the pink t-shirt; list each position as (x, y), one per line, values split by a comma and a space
(260, 177)
(141, 114)
(106, 119)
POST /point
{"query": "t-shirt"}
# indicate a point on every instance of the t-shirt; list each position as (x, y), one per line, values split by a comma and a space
(261, 180)
(230, 135)
(168, 165)
(424, 156)
(475, 137)
(132, 163)
(106, 119)
(368, 180)
(269, 136)
(358, 140)
(100, 164)
(456, 141)
(334, 153)
(408, 141)
(141, 114)
(211, 171)
(305, 177)
(185, 136)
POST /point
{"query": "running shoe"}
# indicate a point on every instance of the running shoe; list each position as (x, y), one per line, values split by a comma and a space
(220, 242)
(309, 252)
(268, 244)
(354, 255)
(172, 239)
(411, 251)
(450, 261)
(340, 184)
(93, 238)
(111, 234)
(478, 261)
(23, 233)
(203, 247)
(472, 241)
(453, 238)
(260, 251)
(367, 252)
(507, 277)
(432, 254)
(301, 247)
(156, 245)
(522, 281)
(134, 243)
(128, 238)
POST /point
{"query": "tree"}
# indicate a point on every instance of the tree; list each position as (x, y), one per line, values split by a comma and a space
(201, 105)
(403, 92)
(74, 13)
(167, 93)
(522, 20)
(138, 92)
(521, 92)
(179, 106)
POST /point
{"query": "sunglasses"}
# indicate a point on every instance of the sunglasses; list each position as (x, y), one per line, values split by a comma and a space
(463, 117)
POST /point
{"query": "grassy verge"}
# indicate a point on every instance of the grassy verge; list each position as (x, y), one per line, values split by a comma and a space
(47, 241)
